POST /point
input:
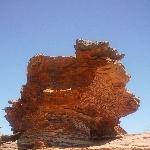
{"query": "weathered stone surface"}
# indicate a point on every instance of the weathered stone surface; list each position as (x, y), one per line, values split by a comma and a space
(72, 100)
(127, 142)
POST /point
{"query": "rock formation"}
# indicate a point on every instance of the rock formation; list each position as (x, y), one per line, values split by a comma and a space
(69, 101)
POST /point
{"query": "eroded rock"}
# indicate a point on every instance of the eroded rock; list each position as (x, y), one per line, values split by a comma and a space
(73, 100)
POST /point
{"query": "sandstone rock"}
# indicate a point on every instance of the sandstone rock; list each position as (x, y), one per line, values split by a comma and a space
(127, 142)
(70, 101)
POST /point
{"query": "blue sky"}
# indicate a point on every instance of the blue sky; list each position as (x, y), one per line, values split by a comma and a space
(51, 27)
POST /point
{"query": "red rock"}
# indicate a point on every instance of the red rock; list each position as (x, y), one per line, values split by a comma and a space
(70, 100)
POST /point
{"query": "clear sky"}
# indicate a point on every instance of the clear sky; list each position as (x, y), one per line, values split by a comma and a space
(28, 27)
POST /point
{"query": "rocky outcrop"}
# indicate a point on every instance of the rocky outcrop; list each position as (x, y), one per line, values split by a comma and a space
(70, 101)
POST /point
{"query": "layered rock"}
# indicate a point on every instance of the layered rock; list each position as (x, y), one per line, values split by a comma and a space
(73, 100)
(127, 142)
